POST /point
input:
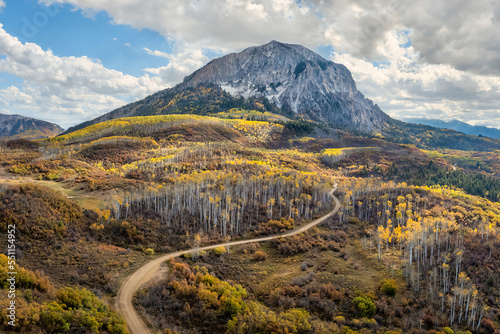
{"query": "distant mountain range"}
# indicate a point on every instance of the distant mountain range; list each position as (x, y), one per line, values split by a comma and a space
(457, 125)
(285, 78)
(17, 126)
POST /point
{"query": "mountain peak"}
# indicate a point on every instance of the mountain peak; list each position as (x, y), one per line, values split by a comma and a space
(17, 126)
(295, 79)
(280, 48)
(291, 77)
(278, 45)
(275, 42)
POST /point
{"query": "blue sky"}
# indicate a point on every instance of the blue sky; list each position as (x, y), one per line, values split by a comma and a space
(69, 33)
(68, 61)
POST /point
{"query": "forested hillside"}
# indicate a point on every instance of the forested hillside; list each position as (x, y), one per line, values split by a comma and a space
(414, 247)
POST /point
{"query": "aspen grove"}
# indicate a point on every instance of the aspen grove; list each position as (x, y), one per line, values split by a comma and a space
(428, 237)
(226, 203)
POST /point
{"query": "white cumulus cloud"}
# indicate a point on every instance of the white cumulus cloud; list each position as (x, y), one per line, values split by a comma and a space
(405, 87)
(217, 24)
(183, 61)
(66, 89)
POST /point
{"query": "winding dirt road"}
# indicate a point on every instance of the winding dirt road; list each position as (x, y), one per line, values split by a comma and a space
(147, 272)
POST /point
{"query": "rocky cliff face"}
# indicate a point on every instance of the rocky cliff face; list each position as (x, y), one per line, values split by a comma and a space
(295, 79)
(291, 77)
(24, 127)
